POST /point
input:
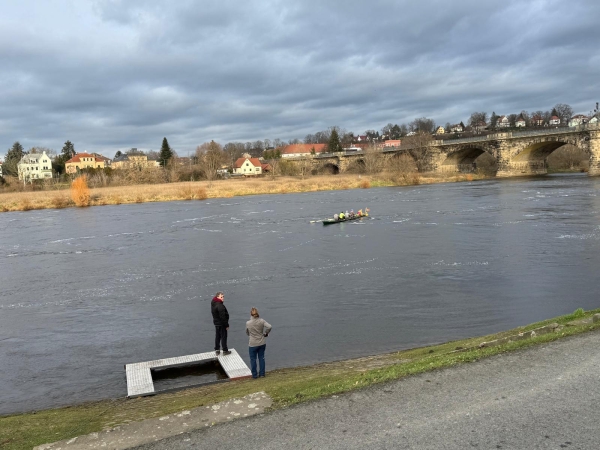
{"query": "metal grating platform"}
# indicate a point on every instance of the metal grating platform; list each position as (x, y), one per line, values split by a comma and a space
(139, 375)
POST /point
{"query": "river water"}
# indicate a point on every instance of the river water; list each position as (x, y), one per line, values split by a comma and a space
(85, 291)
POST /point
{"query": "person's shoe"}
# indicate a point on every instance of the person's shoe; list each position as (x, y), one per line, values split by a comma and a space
(217, 352)
(226, 352)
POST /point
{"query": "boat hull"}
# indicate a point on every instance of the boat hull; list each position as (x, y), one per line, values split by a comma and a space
(332, 221)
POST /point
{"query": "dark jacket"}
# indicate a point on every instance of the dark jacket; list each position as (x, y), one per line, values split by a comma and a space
(219, 313)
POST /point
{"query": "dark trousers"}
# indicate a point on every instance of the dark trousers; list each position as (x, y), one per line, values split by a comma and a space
(257, 352)
(220, 338)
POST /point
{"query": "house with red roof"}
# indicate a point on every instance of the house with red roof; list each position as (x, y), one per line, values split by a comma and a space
(520, 122)
(578, 119)
(537, 121)
(554, 120)
(502, 122)
(300, 150)
(85, 161)
(250, 166)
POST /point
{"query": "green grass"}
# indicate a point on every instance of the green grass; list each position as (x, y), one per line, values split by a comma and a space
(285, 386)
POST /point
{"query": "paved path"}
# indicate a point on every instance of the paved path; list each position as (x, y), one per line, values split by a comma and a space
(545, 397)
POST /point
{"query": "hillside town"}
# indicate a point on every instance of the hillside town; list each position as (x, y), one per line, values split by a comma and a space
(257, 158)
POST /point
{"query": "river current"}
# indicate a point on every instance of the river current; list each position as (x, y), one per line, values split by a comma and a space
(85, 291)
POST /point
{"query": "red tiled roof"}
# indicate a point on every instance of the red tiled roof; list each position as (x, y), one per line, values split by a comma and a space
(78, 156)
(255, 162)
(303, 148)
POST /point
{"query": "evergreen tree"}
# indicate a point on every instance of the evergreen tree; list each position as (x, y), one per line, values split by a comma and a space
(165, 153)
(493, 120)
(68, 151)
(13, 156)
(334, 144)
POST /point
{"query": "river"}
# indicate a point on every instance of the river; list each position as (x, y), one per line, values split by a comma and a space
(85, 291)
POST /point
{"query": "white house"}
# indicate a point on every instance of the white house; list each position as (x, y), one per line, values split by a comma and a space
(457, 128)
(554, 120)
(594, 119)
(578, 119)
(502, 122)
(0, 169)
(249, 166)
(34, 166)
(520, 122)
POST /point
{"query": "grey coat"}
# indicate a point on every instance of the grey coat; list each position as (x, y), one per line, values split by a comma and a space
(256, 328)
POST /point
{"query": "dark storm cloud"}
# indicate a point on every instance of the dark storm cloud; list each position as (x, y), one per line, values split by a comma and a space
(126, 73)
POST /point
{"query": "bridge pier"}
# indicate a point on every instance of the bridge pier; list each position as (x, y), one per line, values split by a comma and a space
(523, 168)
(594, 145)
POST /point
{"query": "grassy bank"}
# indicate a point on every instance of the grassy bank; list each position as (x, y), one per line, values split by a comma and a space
(200, 190)
(285, 386)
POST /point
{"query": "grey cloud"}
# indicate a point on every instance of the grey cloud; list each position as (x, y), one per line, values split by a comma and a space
(196, 71)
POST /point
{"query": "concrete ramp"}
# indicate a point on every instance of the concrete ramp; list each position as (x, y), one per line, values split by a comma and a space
(139, 375)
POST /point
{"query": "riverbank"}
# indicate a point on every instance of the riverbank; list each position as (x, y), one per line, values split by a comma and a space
(202, 190)
(284, 386)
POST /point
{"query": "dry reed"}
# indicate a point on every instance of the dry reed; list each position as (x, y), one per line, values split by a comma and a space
(59, 202)
(115, 195)
(80, 193)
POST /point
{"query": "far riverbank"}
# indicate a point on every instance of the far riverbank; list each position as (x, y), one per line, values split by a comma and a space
(202, 190)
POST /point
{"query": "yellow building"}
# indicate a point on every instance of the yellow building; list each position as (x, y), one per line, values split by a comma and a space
(85, 161)
(134, 160)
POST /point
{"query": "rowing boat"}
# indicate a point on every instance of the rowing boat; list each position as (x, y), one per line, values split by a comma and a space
(330, 221)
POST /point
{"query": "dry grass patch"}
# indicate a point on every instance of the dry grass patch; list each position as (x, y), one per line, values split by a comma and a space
(59, 202)
(116, 195)
(201, 193)
(364, 184)
(26, 205)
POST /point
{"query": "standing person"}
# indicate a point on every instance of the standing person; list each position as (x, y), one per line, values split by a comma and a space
(221, 321)
(258, 329)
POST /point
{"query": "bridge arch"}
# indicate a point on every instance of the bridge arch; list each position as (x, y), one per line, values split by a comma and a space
(531, 157)
(539, 151)
(329, 168)
(466, 158)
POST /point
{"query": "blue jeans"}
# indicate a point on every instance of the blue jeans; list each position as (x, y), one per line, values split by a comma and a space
(260, 352)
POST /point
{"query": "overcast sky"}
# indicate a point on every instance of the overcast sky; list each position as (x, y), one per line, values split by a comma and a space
(110, 74)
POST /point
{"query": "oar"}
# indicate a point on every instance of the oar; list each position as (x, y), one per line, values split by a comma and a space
(318, 220)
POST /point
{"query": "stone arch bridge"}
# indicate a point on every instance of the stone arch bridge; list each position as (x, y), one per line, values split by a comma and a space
(516, 153)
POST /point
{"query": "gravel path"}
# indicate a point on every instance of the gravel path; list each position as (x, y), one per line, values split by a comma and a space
(545, 397)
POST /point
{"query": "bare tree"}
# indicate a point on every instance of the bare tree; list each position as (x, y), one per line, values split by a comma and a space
(422, 124)
(211, 157)
(565, 112)
(233, 150)
(568, 157)
(373, 159)
(402, 164)
(419, 146)
(304, 166)
(478, 120)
